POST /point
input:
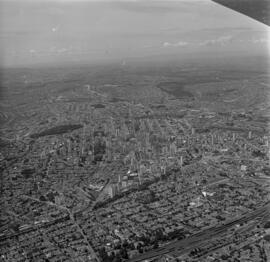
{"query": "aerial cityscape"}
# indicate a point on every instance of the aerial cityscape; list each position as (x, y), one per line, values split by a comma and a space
(153, 158)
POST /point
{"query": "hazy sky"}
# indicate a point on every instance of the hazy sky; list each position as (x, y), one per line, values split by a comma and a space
(36, 32)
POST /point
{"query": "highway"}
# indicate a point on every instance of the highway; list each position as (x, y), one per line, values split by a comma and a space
(187, 244)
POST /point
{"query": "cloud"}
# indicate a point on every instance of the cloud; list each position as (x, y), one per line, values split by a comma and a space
(178, 44)
(55, 29)
(63, 50)
(154, 6)
(260, 41)
(222, 40)
(53, 50)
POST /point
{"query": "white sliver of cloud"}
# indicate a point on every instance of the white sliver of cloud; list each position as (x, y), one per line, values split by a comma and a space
(55, 29)
(260, 41)
(63, 50)
(222, 40)
(178, 44)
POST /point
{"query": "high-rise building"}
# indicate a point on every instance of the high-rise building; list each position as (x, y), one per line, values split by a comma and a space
(140, 177)
(181, 161)
(212, 139)
(119, 178)
(147, 139)
(112, 190)
(69, 146)
(173, 149)
(163, 169)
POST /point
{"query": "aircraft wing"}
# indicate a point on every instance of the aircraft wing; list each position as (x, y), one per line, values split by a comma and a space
(256, 9)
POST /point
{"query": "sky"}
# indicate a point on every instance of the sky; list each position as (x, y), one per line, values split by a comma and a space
(64, 31)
